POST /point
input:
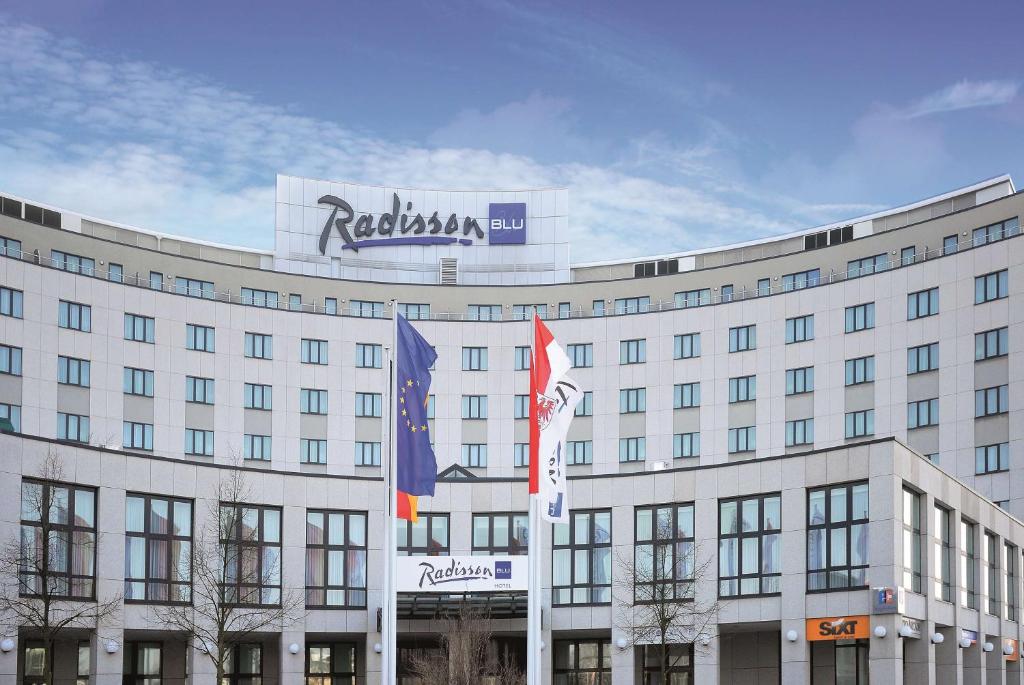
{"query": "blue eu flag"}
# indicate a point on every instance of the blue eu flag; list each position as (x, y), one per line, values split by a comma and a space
(416, 465)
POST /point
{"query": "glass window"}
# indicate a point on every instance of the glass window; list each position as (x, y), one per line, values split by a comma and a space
(199, 338)
(414, 312)
(860, 370)
(244, 664)
(1011, 562)
(860, 317)
(193, 287)
(501, 534)
(312, 451)
(484, 312)
(801, 279)
(115, 273)
(991, 401)
(58, 539)
(581, 355)
(632, 449)
(799, 432)
(12, 413)
(742, 439)
(632, 305)
(968, 565)
(663, 553)
(632, 400)
(199, 442)
(578, 452)
(259, 298)
(368, 356)
(75, 316)
(368, 404)
(335, 559)
(922, 303)
(474, 358)
(583, 662)
(994, 343)
(258, 396)
(860, 424)
(685, 395)
(257, 447)
(259, 346)
(993, 286)
(10, 360)
(800, 380)
(598, 307)
(367, 453)
(331, 305)
(139, 328)
(331, 663)
(581, 561)
(867, 265)
(66, 261)
(949, 244)
(72, 371)
(72, 427)
(521, 454)
(371, 310)
(632, 351)
(427, 537)
(586, 405)
(474, 455)
(158, 549)
(685, 445)
(138, 436)
(943, 559)
(837, 537)
(693, 298)
(313, 351)
(992, 458)
(312, 401)
(923, 413)
(525, 312)
(990, 562)
(474, 406)
(742, 338)
(923, 358)
(742, 389)
(686, 346)
(138, 382)
(522, 358)
(250, 537)
(143, 663)
(749, 546)
(199, 390)
(12, 303)
(912, 550)
(800, 329)
(156, 280)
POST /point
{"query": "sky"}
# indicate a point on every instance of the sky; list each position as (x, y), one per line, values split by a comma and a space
(675, 125)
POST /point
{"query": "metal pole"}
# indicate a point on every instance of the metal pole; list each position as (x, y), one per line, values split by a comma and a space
(534, 671)
(389, 613)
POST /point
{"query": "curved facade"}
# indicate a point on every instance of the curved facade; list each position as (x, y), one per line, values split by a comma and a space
(153, 363)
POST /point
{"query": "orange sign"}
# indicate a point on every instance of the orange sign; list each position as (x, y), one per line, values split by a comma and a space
(838, 628)
(1014, 655)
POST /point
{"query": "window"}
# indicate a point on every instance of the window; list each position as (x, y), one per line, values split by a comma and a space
(331, 663)
(193, 287)
(368, 356)
(198, 442)
(484, 312)
(521, 455)
(632, 400)
(12, 413)
(71, 371)
(990, 287)
(367, 453)
(990, 344)
(860, 423)
(259, 346)
(799, 432)
(139, 328)
(77, 317)
(742, 338)
(968, 565)
(522, 407)
(138, 436)
(632, 449)
(663, 553)
(686, 346)
(943, 559)
(258, 396)
(907, 255)
(800, 380)
(583, 661)
(837, 537)
(923, 413)
(923, 358)
(138, 382)
(66, 261)
(501, 534)
(586, 405)
(474, 358)
(685, 445)
(72, 427)
(335, 559)
(564, 310)
(950, 244)
(115, 273)
(742, 439)
(199, 338)
(158, 549)
(992, 458)
(369, 310)
(312, 401)
(12, 303)
(295, 302)
(259, 298)
(800, 329)
(632, 305)
(199, 390)
(860, 370)
(581, 559)
(912, 552)
(632, 351)
(801, 279)
(256, 447)
(250, 537)
(580, 354)
(686, 395)
(10, 360)
(860, 317)
(142, 663)
(414, 312)
(11, 247)
(598, 307)
(525, 312)
(313, 451)
(58, 539)
(368, 404)
(474, 456)
(990, 560)
(244, 664)
(727, 293)
(693, 298)
(156, 280)
(579, 452)
(867, 265)
(922, 303)
(428, 537)
(1010, 580)
(331, 305)
(764, 287)
(313, 351)
(991, 401)
(474, 406)
(749, 546)
(742, 389)
(990, 234)
(522, 361)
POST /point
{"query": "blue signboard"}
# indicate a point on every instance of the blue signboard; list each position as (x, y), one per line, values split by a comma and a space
(507, 223)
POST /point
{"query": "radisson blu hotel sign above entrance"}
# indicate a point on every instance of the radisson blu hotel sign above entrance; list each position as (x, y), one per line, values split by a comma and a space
(409, 235)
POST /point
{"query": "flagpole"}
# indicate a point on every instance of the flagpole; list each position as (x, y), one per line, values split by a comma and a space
(389, 610)
(534, 672)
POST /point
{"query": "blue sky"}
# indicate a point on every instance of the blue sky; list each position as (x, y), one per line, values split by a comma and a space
(674, 125)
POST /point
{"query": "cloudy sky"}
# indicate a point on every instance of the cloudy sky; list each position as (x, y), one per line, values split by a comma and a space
(674, 125)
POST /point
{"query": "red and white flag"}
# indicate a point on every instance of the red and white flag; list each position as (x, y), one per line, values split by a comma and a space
(553, 400)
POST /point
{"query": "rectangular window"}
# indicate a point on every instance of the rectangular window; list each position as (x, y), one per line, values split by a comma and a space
(727, 292)
(313, 351)
(860, 370)
(295, 302)
(991, 401)
(837, 537)
(994, 343)
(800, 329)
(581, 355)
(583, 661)
(75, 316)
(10, 247)
(193, 287)
(366, 310)
(142, 663)
(923, 413)
(331, 663)
(474, 358)
(801, 279)
(950, 244)
(156, 280)
(139, 328)
(742, 439)
(115, 273)
(943, 560)
(313, 451)
(158, 549)
(742, 338)
(992, 458)
(860, 424)
(259, 298)
(598, 307)
(586, 405)
(1010, 580)
(860, 317)
(800, 380)
(579, 452)
(198, 442)
(522, 360)
(138, 382)
(663, 553)
(990, 234)
(258, 396)
(10, 360)
(367, 453)
(65, 261)
(335, 561)
(632, 305)
(368, 404)
(72, 427)
(368, 356)
(58, 528)
(331, 305)
(968, 565)
(867, 265)
(259, 346)
(990, 561)
(474, 456)
(12, 413)
(632, 449)
(581, 559)
(71, 371)
(907, 256)
(564, 310)
(414, 312)
(686, 346)
(484, 312)
(250, 536)
(199, 338)
(686, 395)
(138, 436)
(632, 351)
(428, 537)
(993, 286)
(693, 298)
(312, 401)
(244, 663)
(799, 432)
(913, 560)
(685, 445)
(742, 389)
(256, 447)
(474, 406)
(764, 287)
(525, 312)
(749, 546)
(922, 303)
(521, 454)
(632, 400)
(923, 358)
(521, 410)
(199, 390)
(500, 534)
(12, 303)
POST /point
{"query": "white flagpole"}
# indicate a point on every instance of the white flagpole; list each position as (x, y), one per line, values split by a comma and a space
(534, 672)
(389, 609)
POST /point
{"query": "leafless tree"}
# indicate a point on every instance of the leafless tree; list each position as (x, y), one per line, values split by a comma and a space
(228, 605)
(37, 562)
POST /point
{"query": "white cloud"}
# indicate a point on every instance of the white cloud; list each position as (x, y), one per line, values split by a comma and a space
(963, 95)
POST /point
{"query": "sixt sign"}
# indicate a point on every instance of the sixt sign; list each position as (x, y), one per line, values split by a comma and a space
(837, 628)
(506, 226)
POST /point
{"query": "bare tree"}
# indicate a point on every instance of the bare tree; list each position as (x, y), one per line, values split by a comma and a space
(660, 607)
(40, 558)
(236, 581)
